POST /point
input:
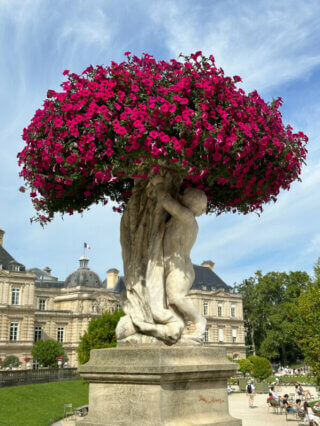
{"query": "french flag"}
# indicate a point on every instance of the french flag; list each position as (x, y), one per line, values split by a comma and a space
(86, 246)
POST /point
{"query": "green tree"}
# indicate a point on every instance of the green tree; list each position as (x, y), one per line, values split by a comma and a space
(11, 361)
(245, 366)
(308, 312)
(269, 311)
(47, 351)
(101, 334)
(261, 367)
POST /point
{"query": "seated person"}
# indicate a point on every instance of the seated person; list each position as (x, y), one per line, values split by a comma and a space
(287, 404)
(300, 410)
(275, 395)
(271, 400)
(301, 392)
(313, 419)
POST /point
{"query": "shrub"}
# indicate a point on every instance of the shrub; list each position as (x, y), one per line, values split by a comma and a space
(47, 352)
(11, 361)
(245, 366)
(261, 367)
(101, 334)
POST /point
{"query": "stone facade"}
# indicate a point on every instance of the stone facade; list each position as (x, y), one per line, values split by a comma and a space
(34, 304)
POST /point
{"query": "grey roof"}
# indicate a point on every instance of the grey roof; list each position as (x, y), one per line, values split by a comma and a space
(42, 275)
(49, 284)
(83, 276)
(6, 260)
(45, 279)
(205, 279)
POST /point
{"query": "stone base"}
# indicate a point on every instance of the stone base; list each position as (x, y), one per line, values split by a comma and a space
(158, 386)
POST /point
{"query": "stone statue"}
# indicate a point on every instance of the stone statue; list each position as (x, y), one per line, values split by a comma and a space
(156, 252)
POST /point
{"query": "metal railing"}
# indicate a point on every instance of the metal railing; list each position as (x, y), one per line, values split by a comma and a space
(45, 375)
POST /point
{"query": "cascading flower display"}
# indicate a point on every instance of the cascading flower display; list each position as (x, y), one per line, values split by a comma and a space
(113, 124)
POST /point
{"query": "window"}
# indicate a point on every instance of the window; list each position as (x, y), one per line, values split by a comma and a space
(234, 335)
(205, 308)
(118, 307)
(220, 335)
(206, 335)
(42, 304)
(60, 337)
(219, 310)
(233, 311)
(37, 333)
(15, 296)
(13, 331)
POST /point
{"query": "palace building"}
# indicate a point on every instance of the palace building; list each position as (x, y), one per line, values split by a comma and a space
(36, 305)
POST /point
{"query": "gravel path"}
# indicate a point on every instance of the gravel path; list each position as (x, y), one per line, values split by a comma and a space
(239, 408)
(259, 415)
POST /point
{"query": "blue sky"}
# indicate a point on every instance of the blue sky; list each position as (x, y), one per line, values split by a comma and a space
(274, 47)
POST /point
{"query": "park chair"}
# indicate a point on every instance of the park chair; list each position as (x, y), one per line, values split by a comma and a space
(302, 418)
(274, 405)
(269, 406)
(67, 410)
(292, 397)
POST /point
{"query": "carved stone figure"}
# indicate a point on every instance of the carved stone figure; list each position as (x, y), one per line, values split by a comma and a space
(158, 231)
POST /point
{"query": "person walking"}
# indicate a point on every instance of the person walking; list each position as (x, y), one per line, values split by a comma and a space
(250, 392)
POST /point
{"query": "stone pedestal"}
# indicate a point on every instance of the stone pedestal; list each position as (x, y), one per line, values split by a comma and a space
(158, 386)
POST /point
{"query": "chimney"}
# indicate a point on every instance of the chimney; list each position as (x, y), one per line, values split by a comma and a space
(112, 278)
(1, 236)
(208, 264)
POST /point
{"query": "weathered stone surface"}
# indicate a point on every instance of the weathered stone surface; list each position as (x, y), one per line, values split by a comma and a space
(158, 386)
(158, 231)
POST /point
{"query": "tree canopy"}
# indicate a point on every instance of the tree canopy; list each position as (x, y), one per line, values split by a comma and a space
(269, 303)
(308, 312)
(101, 334)
(113, 124)
(47, 351)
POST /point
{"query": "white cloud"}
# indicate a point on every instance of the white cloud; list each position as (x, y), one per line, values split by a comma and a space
(266, 43)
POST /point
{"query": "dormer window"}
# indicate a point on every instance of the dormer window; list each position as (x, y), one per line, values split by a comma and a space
(14, 266)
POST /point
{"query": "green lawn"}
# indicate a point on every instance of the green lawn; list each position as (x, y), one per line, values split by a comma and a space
(40, 404)
(311, 380)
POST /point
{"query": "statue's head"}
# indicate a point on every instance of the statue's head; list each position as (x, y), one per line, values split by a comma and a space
(195, 200)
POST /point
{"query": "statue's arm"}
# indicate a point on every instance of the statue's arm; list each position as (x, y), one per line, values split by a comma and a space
(171, 205)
